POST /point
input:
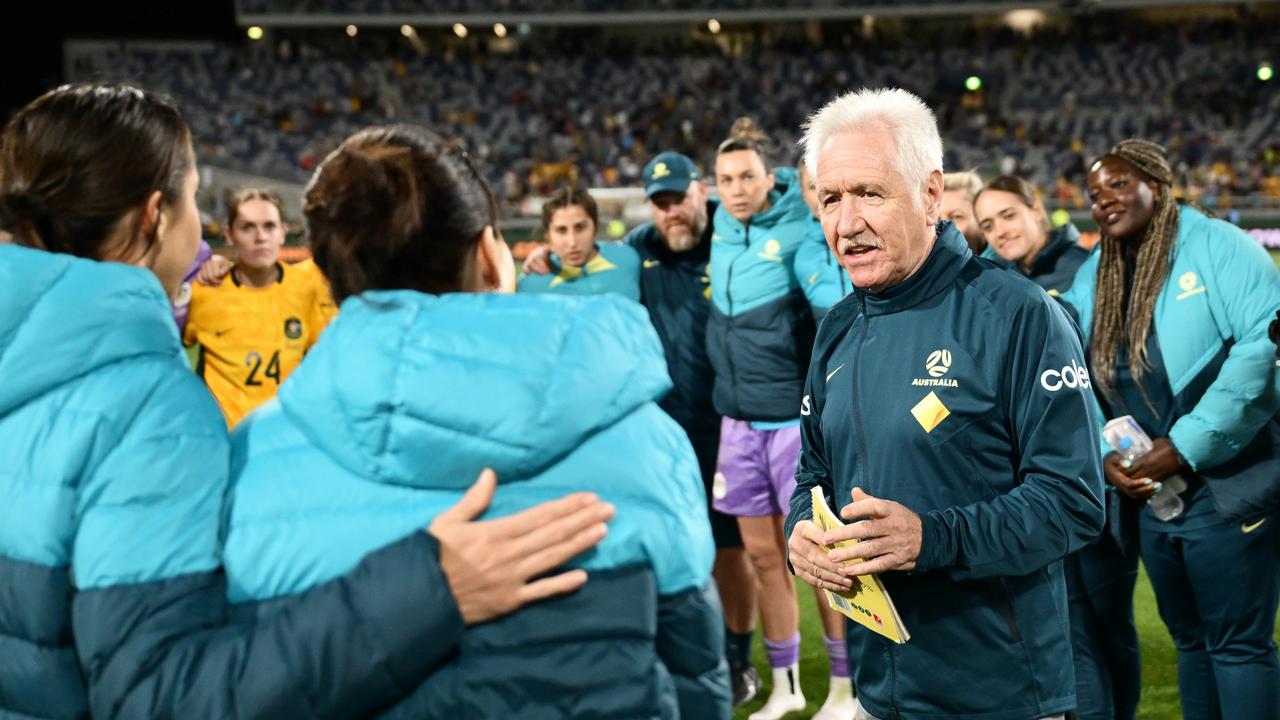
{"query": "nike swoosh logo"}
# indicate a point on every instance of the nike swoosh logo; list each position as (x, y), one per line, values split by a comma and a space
(220, 333)
(833, 372)
(651, 264)
(1245, 528)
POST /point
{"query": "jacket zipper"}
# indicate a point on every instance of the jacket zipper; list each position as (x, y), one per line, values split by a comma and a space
(857, 417)
(862, 448)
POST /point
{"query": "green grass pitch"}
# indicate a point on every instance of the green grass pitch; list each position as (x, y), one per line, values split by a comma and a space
(1159, 665)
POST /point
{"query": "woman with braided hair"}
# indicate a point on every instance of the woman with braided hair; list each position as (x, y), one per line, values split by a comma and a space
(1175, 309)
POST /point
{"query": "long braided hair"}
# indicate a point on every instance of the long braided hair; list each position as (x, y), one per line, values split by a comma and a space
(1113, 327)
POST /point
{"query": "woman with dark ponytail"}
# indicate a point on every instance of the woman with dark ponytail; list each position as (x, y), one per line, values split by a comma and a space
(1175, 308)
(433, 368)
(114, 468)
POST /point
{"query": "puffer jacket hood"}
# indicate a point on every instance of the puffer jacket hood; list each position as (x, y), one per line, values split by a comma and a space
(109, 323)
(421, 408)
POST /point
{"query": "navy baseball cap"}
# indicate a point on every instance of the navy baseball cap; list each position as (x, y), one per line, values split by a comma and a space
(669, 172)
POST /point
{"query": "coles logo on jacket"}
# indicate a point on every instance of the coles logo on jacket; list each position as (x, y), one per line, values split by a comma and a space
(1071, 376)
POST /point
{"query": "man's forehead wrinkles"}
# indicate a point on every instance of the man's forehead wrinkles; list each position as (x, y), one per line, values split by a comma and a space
(846, 183)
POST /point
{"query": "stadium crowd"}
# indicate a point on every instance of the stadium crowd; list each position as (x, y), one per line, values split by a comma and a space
(401, 7)
(1048, 102)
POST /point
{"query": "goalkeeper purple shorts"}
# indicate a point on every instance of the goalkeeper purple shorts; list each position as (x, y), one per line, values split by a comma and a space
(755, 470)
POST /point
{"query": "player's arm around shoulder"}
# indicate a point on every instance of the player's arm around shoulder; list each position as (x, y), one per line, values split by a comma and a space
(629, 266)
(150, 615)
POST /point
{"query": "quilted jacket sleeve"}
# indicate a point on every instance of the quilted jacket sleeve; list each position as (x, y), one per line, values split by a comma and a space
(690, 643)
(149, 613)
(1245, 292)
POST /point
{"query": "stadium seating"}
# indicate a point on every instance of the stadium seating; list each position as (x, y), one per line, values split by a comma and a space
(594, 113)
(442, 7)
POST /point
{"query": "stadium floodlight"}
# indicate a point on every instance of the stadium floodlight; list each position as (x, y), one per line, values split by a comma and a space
(1265, 72)
(460, 30)
(352, 30)
(500, 30)
(255, 32)
(973, 83)
(714, 26)
(406, 31)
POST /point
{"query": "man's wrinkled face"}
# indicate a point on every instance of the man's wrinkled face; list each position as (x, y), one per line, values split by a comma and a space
(880, 227)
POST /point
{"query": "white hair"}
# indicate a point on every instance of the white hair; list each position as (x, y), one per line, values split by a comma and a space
(917, 146)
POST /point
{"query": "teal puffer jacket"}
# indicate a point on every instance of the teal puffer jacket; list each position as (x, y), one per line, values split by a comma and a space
(397, 409)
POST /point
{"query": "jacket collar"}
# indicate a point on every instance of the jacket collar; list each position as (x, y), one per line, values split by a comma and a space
(949, 254)
(1061, 239)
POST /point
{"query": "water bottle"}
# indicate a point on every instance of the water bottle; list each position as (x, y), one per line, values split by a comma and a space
(1131, 442)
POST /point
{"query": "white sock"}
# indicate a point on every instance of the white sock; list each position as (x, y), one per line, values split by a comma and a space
(786, 696)
(839, 704)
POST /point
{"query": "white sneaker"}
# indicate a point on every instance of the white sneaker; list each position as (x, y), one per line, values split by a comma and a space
(839, 704)
(785, 697)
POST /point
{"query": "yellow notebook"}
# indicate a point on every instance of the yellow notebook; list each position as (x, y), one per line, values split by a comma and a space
(868, 603)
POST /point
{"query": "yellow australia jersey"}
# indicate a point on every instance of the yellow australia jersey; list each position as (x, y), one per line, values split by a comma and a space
(251, 338)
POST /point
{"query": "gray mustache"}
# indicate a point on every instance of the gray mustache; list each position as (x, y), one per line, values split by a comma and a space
(861, 245)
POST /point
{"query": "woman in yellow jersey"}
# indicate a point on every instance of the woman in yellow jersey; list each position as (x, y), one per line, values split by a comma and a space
(254, 328)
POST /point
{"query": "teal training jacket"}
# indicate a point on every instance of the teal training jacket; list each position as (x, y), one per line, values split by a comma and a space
(1211, 322)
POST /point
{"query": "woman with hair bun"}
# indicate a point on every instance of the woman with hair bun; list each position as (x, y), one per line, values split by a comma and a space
(759, 337)
(433, 368)
(1175, 309)
(114, 468)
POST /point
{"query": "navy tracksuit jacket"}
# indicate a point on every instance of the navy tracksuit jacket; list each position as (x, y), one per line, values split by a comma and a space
(962, 394)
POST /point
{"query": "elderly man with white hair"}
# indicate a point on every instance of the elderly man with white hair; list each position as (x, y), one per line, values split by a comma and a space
(947, 411)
